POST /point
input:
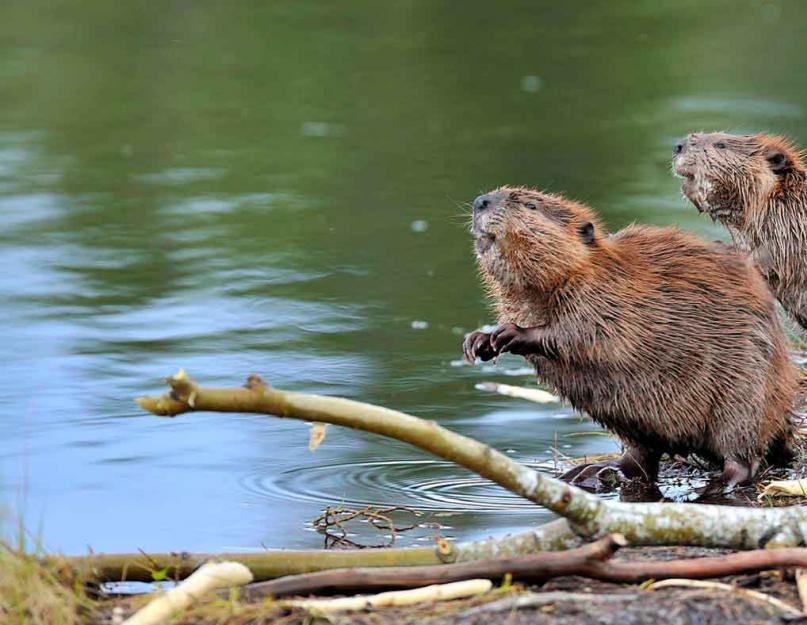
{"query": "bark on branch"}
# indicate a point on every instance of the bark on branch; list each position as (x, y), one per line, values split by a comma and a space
(592, 560)
(587, 515)
(272, 563)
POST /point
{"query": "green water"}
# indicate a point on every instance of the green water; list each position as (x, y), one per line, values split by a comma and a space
(281, 188)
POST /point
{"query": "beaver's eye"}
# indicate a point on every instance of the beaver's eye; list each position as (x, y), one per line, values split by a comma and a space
(720, 145)
(531, 206)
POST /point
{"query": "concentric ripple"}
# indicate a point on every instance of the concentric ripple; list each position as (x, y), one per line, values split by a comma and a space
(426, 485)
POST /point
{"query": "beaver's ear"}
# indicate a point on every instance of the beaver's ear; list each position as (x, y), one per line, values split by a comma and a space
(778, 161)
(586, 232)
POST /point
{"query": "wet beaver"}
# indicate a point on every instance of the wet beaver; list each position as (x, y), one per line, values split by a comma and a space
(667, 340)
(757, 187)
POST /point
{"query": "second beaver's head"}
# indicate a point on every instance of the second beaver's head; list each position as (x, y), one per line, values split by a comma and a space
(527, 239)
(730, 177)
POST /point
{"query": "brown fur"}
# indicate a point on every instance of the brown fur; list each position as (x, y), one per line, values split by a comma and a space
(756, 186)
(667, 340)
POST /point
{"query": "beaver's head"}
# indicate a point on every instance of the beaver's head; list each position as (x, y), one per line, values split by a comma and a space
(731, 176)
(528, 239)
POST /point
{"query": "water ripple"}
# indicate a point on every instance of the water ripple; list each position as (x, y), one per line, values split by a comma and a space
(425, 485)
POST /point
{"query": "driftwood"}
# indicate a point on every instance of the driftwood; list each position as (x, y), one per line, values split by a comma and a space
(592, 560)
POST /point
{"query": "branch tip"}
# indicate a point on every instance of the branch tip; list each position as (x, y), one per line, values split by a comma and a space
(255, 382)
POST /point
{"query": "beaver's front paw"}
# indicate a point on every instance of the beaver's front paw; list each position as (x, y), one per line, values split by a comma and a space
(477, 345)
(509, 337)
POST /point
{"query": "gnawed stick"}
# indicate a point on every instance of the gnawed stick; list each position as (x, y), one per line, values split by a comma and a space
(536, 395)
(210, 576)
(592, 560)
(539, 599)
(423, 594)
(589, 516)
(745, 592)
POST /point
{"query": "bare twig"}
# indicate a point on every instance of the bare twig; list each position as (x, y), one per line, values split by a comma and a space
(538, 599)
(751, 594)
(331, 524)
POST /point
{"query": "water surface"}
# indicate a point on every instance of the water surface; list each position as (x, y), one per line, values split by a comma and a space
(280, 188)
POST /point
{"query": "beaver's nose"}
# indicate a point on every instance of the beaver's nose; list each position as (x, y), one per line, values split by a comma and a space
(682, 145)
(482, 202)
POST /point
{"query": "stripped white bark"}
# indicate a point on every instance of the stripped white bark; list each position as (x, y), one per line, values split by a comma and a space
(530, 394)
(801, 586)
(210, 576)
(751, 594)
(540, 599)
(436, 592)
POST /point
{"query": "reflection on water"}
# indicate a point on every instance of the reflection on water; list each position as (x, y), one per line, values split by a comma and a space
(281, 189)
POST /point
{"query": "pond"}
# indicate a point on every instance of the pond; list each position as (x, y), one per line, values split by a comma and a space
(282, 188)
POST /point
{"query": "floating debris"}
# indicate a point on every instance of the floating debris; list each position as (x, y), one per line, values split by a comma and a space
(418, 324)
(316, 436)
(419, 225)
(530, 394)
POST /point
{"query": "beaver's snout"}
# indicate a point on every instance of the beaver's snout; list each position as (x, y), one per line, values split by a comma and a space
(482, 202)
(681, 164)
(484, 216)
(488, 201)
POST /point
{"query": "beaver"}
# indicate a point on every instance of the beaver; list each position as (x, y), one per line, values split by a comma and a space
(756, 186)
(669, 341)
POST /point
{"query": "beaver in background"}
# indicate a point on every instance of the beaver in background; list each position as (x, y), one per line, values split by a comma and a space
(757, 187)
(669, 341)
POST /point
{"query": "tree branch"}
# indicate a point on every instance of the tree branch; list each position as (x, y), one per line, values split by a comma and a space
(587, 515)
(592, 560)
(272, 563)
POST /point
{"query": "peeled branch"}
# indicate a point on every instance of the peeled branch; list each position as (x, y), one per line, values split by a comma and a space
(210, 576)
(751, 594)
(785, 488)
(536, 395)
(441, 592)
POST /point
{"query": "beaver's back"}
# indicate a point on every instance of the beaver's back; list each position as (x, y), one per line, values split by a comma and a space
(690, 355)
